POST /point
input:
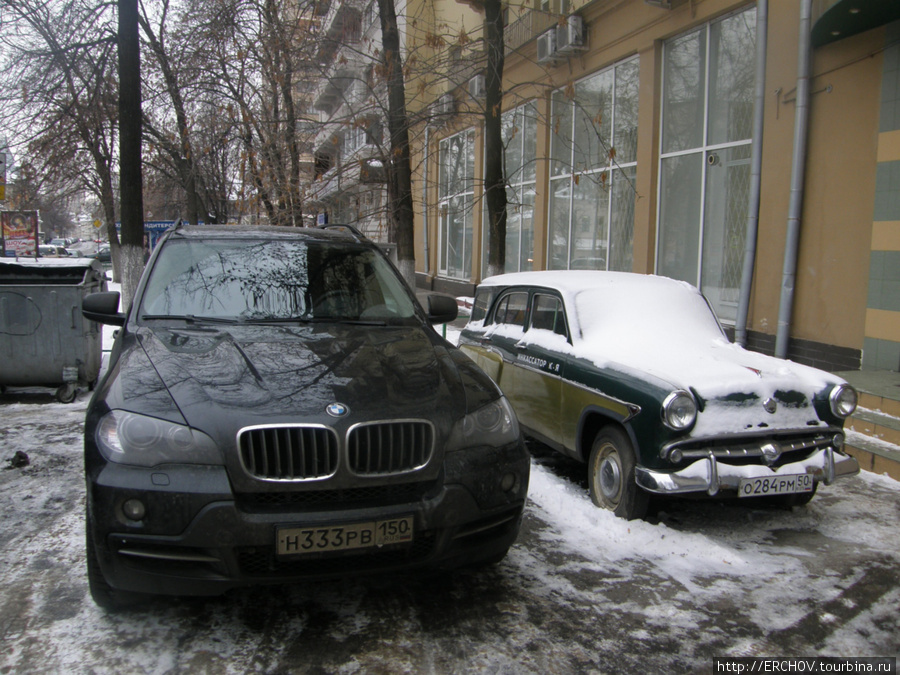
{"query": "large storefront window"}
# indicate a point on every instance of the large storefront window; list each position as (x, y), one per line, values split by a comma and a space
(519, 127)
(455, 199)
(707, 123)
(593, 150)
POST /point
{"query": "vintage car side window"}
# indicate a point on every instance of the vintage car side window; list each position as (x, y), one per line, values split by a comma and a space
(548, 314)
(511, 309)
(482, 302)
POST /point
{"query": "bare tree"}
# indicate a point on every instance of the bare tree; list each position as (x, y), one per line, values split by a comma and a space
(59, 95)
(247, 62)
(130, 176)
(494, 178)
(399, 167)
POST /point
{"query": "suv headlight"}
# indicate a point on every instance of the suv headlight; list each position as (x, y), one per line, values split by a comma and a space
(138, 440)
(493, 424)
(679, 410)
(843, 400)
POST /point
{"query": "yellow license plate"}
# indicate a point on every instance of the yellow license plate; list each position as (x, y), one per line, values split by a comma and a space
(324, 539)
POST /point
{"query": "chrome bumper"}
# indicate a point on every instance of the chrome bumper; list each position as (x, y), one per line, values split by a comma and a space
(711, 476)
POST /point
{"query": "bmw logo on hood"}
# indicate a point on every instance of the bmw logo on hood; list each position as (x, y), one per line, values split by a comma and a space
(337, 410)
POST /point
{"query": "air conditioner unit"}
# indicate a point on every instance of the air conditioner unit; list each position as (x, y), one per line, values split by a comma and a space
(476, 87)
(570, 35)
(546, 46)
(445, 105)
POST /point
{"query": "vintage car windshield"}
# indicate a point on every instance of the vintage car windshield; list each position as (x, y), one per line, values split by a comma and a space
(252, 280)
(648, 310)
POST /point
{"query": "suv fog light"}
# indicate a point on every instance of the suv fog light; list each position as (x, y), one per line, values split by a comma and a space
(508, 482)
(675, 456)
(134, 509)
(838, 441)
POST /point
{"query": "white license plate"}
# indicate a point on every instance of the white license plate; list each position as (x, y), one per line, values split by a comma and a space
(302, 540)
(775, 485)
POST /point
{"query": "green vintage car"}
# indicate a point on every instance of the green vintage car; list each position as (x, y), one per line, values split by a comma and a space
(633, 375)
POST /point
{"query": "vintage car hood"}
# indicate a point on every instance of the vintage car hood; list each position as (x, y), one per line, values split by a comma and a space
(739, 389)
(266, 374)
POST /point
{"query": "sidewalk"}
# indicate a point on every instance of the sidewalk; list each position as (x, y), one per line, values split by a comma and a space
(873, 432)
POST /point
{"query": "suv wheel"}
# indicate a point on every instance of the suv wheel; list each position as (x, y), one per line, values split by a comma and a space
(611, 475)
(104, 595)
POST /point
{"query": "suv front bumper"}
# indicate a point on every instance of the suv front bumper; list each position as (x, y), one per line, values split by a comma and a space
(200, 539)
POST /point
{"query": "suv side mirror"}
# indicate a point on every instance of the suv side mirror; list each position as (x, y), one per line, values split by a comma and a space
(103, 308)
(441, 308)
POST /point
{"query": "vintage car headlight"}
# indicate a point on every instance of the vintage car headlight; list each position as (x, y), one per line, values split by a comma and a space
(679, 410)
(493, 424)
(138, 440)
(843, 400)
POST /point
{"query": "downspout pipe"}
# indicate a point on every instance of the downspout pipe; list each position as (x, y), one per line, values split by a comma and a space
(425, 200)
(798, 174)
(759, 105)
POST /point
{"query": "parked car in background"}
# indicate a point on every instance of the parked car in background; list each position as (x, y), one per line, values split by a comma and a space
(103, 254)
(51, 251)
(633, 375)
(279, 407)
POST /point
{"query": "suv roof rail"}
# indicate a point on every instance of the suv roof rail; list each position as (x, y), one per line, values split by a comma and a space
(344, 228)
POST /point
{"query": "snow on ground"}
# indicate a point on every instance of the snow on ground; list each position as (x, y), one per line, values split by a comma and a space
(582, 591)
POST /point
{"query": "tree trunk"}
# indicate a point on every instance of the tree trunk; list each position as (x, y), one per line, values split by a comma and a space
(494, 180)
(399, 168)
(131, 251)
(183, 155)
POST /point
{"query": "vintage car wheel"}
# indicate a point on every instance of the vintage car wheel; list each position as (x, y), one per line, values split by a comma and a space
(611, 476)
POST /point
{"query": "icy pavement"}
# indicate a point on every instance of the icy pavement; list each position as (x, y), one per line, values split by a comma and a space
(581, 591)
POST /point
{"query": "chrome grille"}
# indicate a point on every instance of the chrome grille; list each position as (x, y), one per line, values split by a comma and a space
(384, 448)
(750, 449)
(289, 452)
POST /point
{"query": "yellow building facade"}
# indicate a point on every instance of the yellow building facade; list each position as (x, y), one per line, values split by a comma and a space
(637, 137)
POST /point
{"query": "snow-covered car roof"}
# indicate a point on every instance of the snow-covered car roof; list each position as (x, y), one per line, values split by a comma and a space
(637, 301)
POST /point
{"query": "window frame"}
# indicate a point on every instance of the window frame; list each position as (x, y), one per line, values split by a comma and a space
(708, 154)
(446, 198)
(614, 169)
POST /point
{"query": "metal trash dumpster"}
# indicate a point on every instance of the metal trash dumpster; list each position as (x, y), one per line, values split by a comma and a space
(44, 340)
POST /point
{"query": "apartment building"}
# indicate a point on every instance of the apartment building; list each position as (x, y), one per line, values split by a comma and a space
(349, 183)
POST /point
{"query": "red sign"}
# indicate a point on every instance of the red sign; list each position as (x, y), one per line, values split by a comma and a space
(20, 230)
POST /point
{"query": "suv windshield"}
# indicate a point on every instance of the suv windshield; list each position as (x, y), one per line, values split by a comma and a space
(271, 280)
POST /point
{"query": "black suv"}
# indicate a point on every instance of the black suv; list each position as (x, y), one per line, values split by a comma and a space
(278, 407)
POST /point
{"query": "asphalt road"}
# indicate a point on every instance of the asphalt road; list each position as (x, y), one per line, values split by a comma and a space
(580, 592)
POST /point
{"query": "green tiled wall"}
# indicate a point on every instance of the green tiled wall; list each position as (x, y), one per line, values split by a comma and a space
(884, 281)
(884, 266)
